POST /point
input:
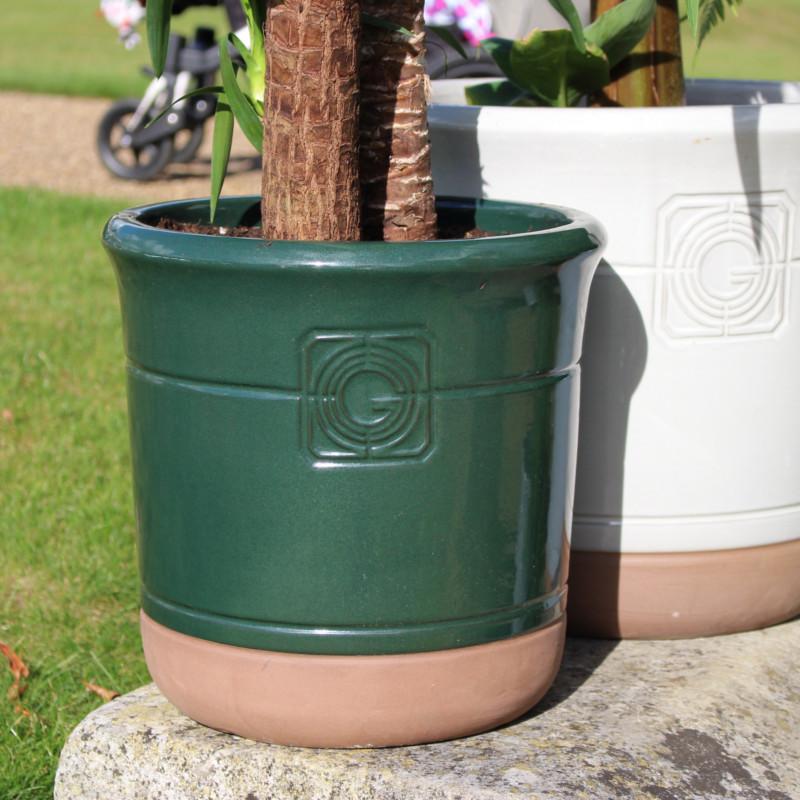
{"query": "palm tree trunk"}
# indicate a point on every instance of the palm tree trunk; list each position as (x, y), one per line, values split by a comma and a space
(310, 181)
(652, 75)
(396, 177)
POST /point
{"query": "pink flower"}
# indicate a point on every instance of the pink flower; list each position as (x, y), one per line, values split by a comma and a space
(473, 17)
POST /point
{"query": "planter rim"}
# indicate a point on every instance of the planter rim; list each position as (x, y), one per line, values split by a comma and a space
(560, 234)
(786, 105)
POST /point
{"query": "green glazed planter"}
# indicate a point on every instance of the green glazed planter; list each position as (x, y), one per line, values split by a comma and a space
(351, 453)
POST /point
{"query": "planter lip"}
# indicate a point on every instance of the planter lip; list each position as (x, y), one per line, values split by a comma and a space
(565, 234)
(787, 106)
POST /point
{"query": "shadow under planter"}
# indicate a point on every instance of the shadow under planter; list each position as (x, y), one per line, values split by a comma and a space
(616, 335)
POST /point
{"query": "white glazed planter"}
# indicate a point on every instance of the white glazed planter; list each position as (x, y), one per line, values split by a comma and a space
(689, 464)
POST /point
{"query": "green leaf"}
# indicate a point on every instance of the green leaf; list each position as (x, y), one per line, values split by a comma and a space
(241, 48)
(500, 50)
(446, 35)
(567, 10)
(246, 115)
(708, 14)
(621, 28)
(193, 93)
(549, 66)
(254, 11)
(377, 22)
(159, 15)
(220, 150)
(257, 64)
(495, 93)
(253, 68)
(693, 14)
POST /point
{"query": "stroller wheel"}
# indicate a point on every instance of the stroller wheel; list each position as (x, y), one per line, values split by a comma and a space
(132, 163)
(186, 143)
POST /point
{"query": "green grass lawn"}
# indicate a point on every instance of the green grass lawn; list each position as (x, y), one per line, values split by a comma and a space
(68, 585)
(761, 42)
(64, 47)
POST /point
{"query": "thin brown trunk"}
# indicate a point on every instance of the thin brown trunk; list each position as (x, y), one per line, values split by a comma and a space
(652, 75)
(396, 177)
(310, 186)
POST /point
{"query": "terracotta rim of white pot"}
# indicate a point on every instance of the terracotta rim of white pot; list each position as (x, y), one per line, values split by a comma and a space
(679, 595)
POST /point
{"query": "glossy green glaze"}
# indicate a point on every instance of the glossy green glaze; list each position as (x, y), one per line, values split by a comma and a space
(354, 448)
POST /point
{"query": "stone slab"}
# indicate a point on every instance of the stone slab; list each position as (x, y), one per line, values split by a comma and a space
(704, 719)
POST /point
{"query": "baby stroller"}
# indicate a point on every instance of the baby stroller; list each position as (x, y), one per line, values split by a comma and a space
(131, 148)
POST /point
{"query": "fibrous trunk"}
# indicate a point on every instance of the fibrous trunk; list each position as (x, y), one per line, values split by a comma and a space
(310, 184)
(652, 75)
(398, 199)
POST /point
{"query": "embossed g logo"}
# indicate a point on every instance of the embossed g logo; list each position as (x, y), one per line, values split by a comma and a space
(723, 265)
(366, 395)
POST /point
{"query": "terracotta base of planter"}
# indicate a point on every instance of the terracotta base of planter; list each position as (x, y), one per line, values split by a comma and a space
(680, 595)
(352, 701)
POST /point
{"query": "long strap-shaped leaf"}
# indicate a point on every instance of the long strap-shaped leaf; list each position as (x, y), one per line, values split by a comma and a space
(245, 114)
(220, 150)
(567, 10)
(255, 11)
(159, 15)
(194, 93)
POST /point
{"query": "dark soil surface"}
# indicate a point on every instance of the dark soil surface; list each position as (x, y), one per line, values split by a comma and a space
(254, 232)
(239, 231)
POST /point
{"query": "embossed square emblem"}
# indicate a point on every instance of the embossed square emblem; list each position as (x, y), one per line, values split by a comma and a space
(366, 395)
(723, 265)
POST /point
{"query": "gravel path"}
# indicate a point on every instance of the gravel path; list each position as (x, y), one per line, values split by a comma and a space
(49, 142)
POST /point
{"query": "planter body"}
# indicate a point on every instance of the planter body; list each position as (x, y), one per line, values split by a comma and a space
(350, 450)
(690, 432)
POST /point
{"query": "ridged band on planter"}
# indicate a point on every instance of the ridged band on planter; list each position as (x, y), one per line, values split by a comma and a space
(354, 448)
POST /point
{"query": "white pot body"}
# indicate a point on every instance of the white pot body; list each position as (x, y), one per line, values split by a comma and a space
(690, 417)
